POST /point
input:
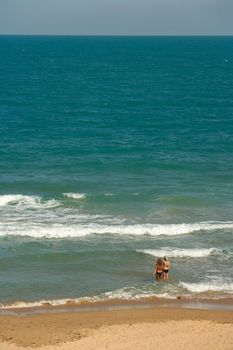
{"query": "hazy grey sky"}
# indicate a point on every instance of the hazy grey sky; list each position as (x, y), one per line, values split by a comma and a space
(112, 17)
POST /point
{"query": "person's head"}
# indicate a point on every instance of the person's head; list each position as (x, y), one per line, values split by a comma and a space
(159, 261)
(165, 258)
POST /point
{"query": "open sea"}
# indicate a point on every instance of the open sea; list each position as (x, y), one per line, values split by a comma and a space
(115, 151)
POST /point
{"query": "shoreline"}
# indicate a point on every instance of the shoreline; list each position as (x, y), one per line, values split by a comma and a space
(56, 326)
(222, 304)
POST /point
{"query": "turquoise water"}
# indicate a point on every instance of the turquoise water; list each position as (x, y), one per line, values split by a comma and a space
(114, 151)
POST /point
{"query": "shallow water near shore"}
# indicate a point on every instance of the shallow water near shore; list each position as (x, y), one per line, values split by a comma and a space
(114, 151)
(225, 304)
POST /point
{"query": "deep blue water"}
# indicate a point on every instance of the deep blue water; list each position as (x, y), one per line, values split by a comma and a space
(113, 151)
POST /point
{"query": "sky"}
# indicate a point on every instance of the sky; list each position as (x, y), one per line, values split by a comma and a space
(116, 17)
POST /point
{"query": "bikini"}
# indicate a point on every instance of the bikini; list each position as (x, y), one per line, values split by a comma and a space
(159, 273)
(165, 270)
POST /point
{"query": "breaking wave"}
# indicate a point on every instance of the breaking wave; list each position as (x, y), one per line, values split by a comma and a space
(75, 195)
(135, 293)
(53, 230)
(126, 293)
(20, 201)
(208, 287)
(179, 253)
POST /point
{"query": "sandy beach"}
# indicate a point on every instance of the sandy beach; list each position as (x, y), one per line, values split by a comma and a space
(148, 328)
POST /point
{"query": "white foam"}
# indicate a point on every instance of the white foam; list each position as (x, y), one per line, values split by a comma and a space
(126, 293)
(20, 201)
(75, 195)
(179, 253)
(11, 198)
(55, 302)
(63, 230)
(131, 293)
(24, 304)
(135, 293)
(208, 287)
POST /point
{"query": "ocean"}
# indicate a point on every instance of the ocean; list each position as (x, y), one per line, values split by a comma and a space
(115, 151)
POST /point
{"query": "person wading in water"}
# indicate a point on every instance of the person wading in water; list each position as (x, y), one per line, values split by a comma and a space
(166, 268)
(158, 270)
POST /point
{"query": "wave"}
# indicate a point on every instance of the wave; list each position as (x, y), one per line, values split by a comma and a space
(84, 195)
(126, 293)
(80, 230)
(208, 287)
(20, 201)
(179, 253)
(75, 195)
(163, 291)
